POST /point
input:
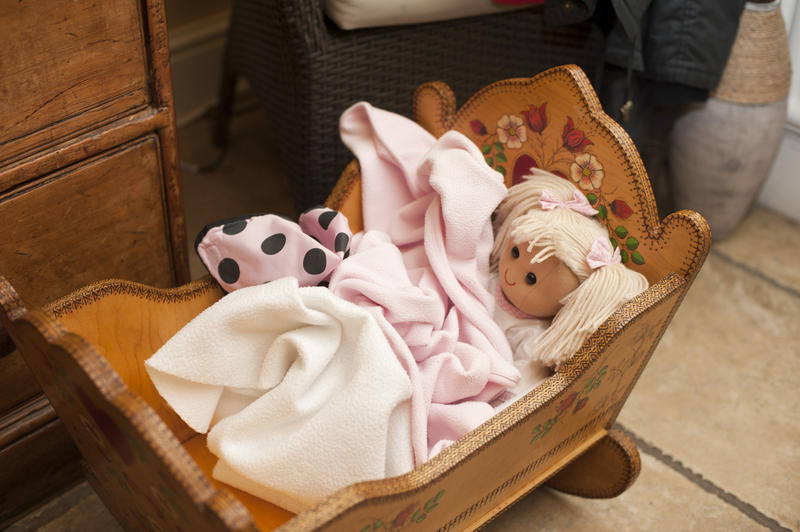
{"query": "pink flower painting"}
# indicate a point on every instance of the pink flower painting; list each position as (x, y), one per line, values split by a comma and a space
(586, 171)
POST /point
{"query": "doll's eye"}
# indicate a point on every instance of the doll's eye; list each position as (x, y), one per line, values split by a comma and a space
(530, 278)
(515, 252)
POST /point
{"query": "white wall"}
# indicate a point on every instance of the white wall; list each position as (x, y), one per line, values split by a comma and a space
(781, 191)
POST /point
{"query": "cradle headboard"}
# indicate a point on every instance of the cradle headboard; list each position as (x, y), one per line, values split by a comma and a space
(554, 121)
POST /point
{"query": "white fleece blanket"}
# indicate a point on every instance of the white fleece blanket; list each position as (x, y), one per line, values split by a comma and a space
(301, 391)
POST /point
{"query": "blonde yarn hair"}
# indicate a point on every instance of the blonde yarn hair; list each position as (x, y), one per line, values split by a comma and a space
(567, 235)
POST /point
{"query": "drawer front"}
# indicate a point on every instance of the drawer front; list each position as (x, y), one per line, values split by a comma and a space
(66, 65)
(101, 218)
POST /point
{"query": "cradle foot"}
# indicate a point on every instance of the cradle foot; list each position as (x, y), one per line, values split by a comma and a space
(606, 470)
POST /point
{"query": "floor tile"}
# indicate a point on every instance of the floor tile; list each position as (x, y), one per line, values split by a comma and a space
(768, 243)
(659, 500)
(721, 391)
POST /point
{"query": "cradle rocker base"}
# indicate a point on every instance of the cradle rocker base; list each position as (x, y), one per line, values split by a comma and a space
(606, 470)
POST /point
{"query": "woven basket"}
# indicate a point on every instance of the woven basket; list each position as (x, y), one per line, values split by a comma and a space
(306, 71)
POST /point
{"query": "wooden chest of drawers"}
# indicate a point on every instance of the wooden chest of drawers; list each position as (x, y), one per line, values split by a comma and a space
(89, 189)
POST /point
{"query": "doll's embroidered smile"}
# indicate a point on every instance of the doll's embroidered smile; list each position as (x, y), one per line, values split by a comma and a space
(505, 277)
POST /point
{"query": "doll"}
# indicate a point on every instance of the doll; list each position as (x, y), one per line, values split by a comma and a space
(555, 275)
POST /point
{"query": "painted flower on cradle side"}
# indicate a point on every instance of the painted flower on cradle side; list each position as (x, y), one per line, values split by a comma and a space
(477, 127)
(586, 171)
(511, 131)
(536, 117)
(574, 139)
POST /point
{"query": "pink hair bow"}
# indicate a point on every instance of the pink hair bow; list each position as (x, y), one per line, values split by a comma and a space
(578, 203)
(602, 254)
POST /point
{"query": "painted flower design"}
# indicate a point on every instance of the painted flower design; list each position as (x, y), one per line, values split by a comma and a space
(574, 139)
(511, 131)
(536, 117)
(477, 127)
(586, 171)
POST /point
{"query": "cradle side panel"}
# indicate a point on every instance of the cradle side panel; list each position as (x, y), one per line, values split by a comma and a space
(127, 322)
(142, 474)
(555, 122)
(522, 446)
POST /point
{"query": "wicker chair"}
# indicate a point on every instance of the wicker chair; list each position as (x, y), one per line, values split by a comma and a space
(306, 71)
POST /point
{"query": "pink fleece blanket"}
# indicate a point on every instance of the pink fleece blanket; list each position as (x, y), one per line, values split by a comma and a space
(422, 268)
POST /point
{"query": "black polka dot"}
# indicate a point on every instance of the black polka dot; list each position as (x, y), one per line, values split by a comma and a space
(323, 283)
(326, 217)
(273, 244)
(340, 244)
(228, 270)
(234, 227)
(314, 261)
(347, 253)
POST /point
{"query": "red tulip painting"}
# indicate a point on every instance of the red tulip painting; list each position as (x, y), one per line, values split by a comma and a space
(536, 117)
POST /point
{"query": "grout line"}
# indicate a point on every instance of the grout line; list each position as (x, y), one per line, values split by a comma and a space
(706, 485)
(757, 273)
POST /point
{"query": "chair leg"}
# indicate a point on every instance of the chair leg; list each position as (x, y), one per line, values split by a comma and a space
(606, 470)
(220, 122)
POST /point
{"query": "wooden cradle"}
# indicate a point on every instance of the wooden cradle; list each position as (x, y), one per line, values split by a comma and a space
(87, 350)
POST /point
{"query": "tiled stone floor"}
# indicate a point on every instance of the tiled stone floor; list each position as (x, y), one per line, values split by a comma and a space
(716, 414)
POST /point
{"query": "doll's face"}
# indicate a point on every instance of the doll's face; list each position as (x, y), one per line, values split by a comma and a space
(536, 289)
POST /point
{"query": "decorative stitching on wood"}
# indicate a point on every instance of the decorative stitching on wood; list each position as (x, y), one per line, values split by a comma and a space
(524, 472)
(97, 291)
(446, 100)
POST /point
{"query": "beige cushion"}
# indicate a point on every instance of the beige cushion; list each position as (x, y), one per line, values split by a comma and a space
(352, 14)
